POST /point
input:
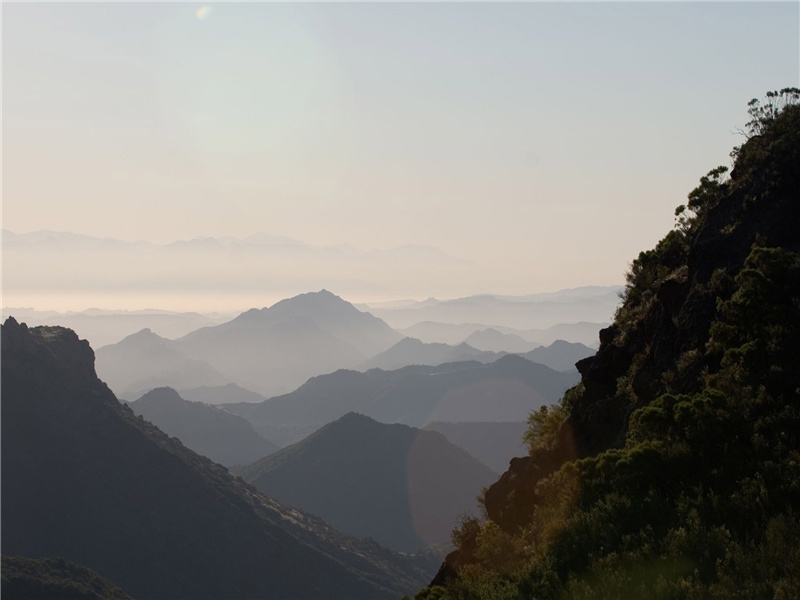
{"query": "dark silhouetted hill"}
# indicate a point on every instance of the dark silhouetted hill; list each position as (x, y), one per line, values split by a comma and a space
(409, 351)
(83, 478)
(213, 432)
(494, 444)
(505, 390)
(403, 487)
(54, 579)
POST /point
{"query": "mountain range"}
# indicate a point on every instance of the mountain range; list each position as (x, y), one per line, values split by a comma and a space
(403, 487)
(84, 479)
(269, 351)
(505, 390)
(218, 434)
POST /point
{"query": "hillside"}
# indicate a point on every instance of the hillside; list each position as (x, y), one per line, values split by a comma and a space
(221, 436)
(86, 480)
(671, 470)
(505, 390)
(403, 487)
(409, 351)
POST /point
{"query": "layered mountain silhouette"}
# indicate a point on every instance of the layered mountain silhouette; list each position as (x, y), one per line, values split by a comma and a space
(409, 351)
(83, 478)
(560, 355)
(454, 333)
(403, 487)
(213, 432)
(492, 340)
(144, 361)
(104, 327)
(494, 444)
(220, 394)
(270, 350)
(505, 390)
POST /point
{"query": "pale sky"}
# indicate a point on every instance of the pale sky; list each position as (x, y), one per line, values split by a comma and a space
(546, 143)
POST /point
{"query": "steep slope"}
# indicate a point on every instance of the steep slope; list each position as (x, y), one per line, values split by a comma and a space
(400, 486)
(671, 471)
(54, 578)
(145, 360)
(494, 444)
(409, 351)
(221, 436)
(276, 349)
(560, 355)
(506, 390)
(85, 479)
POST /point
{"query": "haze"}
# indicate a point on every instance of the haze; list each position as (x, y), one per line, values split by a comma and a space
(524, 147)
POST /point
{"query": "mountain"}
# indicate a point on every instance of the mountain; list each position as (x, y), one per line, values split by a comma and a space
(494, 444)
(83, 478)
(144, 360)
(403, 487)
(560, 355)
(505, 390)
(491, 340)
(278, 348)
(50, 578)
(409, 351)
(213, 432)
(515, 312)
(220, 394)
(672, 471)
(449, 333)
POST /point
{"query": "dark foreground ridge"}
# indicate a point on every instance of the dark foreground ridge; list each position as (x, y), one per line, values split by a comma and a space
(673, 469)
(86, 480)
(54, 578)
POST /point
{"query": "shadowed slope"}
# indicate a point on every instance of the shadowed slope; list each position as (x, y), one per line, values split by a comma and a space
(401, 486)
(85, 479)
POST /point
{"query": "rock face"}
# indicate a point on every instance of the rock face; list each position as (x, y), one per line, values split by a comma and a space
(213, 432)
(83, 478)
(403, 487)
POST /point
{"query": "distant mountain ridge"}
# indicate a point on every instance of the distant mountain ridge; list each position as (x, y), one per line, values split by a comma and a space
(85, 479)
(410, 351)
(269, 350)
(403, 487)
(505, 390)
(213, 432)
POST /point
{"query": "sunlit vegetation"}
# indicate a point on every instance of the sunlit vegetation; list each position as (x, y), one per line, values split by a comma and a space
(700, 498)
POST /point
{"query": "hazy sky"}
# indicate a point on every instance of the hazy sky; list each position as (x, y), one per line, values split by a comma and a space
(546, 142)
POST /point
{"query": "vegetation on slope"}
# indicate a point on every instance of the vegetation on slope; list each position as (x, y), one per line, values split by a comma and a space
(673, 469)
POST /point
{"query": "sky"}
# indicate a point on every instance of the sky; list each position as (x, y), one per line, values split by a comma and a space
(544, 144)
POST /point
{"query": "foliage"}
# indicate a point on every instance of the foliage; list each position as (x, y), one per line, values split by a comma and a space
(702, 500)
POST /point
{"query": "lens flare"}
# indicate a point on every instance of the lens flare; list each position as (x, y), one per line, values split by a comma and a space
(203, 12)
